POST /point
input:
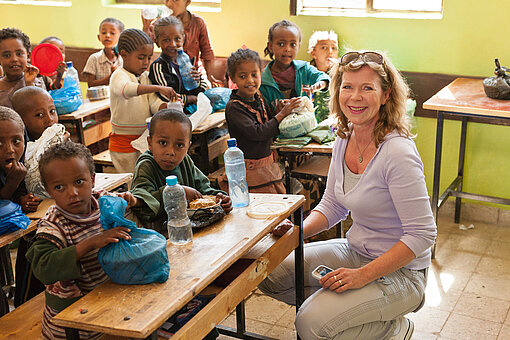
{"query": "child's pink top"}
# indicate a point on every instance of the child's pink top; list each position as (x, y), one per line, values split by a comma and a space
(197, 39)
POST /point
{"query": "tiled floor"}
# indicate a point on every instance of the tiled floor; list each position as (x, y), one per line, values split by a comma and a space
(467, 297)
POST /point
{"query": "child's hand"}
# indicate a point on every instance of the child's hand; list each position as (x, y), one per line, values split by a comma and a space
(148, 26)
(102, 239)
(15, 171)
(195, 74)
(61, 68)
(66, 136)
(29, 202)
(169, 92)
(191, 193)
(131, 200)
(30, 73)
(309, 90)
(290, 105)
(226, 202)
(113, 68)
(282, 228)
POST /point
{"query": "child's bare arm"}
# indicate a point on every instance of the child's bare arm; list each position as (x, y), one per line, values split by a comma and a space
(92, 81)
(100, 240)
(191, 193)
(164, 90)
(322, 84)
(61, 68)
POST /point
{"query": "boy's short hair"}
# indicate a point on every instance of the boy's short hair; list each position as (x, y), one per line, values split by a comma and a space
(114, 21)
(50, 38)
(7, 113)
(165, 22)
(63, 151)
(14, 33)
(22, 98)
(170, 115)
(132, 39)
(321, 35)
(240, 56)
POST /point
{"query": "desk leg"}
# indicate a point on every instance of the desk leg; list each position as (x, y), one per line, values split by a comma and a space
(204, 150)
(72, 334)
(460, 174)
(437, 169)
(299, 260)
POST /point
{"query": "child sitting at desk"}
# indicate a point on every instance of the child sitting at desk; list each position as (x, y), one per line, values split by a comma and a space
(254, 123)
(36, 108)
(132, 98)
(68, 237)
(101, 65)
(169, 34)
(14, 51)
(169, 140)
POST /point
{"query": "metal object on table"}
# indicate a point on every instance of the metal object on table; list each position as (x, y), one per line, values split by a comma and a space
(98, 92)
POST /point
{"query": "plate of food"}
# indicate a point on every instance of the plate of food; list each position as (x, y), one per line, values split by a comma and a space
(206, 202)
(205, 211)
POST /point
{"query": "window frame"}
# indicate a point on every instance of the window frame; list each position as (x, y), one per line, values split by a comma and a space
(297, 8)
(195, 6)
(54, 3)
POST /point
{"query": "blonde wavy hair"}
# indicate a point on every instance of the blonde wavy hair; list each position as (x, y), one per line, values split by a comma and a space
(392, 115)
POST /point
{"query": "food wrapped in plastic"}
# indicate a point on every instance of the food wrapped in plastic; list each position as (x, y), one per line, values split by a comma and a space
(300, 121)
(140, 260)
(498, 87)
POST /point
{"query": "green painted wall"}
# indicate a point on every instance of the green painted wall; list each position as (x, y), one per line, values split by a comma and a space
(464, 42)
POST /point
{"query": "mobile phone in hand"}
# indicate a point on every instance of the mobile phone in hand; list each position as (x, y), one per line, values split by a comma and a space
(320, 271)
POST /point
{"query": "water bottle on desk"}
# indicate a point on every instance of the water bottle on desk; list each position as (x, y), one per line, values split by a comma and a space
(179, 225)
(185, 67)
(236, 174)
(73, 73)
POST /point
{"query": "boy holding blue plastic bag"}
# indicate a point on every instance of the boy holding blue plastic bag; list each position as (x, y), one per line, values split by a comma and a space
(68, 238)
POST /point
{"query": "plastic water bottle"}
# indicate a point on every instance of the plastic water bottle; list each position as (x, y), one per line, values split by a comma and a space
(236, 174)
(151, 13)
(179, 225)
(185, 70)
(73, 73)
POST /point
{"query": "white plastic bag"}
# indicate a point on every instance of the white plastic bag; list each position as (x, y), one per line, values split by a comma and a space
(204, 109)
(52, 135)
(300, 121)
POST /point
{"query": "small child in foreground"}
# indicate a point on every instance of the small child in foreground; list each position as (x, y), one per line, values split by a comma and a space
(254, 123)
(56, 81)
(101, 64)
(169, 140)
(68, 237)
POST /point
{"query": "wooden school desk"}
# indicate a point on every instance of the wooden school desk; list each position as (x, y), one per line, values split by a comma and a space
(138, 310)
(465, 99)
(90, 110)
(210, 151)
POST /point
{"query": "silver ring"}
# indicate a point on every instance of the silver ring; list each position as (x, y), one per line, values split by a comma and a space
(334, 276)
(340, 282)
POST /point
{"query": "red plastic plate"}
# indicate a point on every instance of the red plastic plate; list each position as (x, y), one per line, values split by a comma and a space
(46, 58)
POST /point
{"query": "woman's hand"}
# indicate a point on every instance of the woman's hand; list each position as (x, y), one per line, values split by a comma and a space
(343, 279)
(226, 202)
(282, 228)
(191, 193)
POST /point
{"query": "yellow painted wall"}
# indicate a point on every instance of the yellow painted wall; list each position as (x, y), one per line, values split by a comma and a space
(464, 42)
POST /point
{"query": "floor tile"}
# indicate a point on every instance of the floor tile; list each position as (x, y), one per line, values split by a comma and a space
(417, 335)
(455, 259)
(499, 249)
(482, 307)
(282, 333)
(252, 326)
(467, 243)
(504, 333)
(287, 320)
(494, 267)
(447, 279)
(429, 319)
(489, 286)
(463, 327)
(265, 309)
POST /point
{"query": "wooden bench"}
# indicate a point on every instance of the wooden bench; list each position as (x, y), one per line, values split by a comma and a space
(24, 322)
(102, 160)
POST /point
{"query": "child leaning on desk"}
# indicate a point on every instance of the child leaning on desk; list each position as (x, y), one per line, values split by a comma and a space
(254, 123)
(68, 237)
(169, 140)
(132, 97)
(169, 34)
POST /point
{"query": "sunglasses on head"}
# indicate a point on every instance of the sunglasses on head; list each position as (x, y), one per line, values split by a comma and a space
(365, 57)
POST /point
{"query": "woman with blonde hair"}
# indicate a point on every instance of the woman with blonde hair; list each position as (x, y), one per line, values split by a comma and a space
(379, 271)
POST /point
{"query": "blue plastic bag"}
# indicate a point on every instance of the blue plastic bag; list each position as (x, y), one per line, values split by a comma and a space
(67, 99)
(11, 217)
(140, 260)
(219, 97)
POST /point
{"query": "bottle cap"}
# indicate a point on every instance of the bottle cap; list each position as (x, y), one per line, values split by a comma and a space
(231, 142)
(69, 64)
(171, 180)
(180, 50)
